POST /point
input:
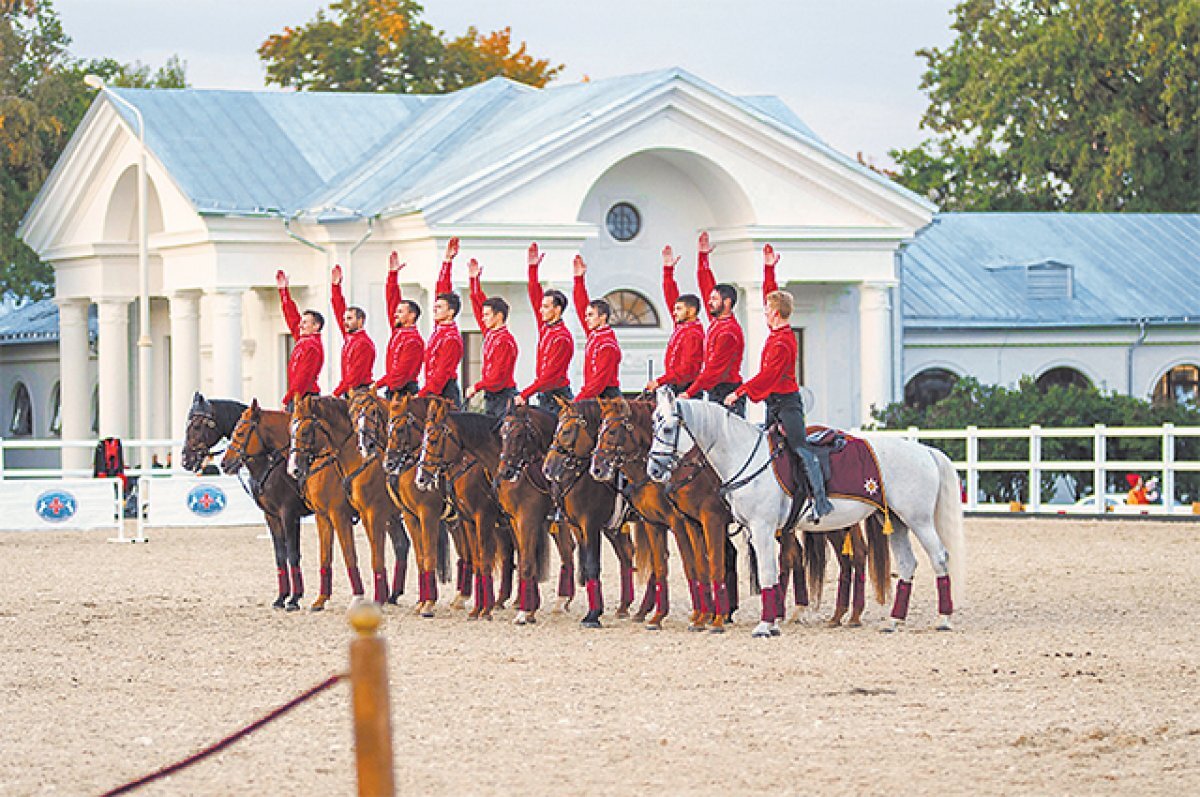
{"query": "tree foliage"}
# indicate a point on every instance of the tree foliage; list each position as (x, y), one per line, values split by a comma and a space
(997, 407)
(385, 45)
(1083, 105)
(42, 99)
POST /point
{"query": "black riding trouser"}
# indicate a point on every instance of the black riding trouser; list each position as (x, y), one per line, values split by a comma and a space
(496, 403)
(452, 391)
(547, 398)
(720, 392)
(787, 409)
(407, 389)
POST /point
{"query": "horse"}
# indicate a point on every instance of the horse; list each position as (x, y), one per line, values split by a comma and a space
(592, 507)
(525, 436)
(857, 553)
(276, 494)
(690, 505)
(920, 482)
(462, 451)
(325, 459)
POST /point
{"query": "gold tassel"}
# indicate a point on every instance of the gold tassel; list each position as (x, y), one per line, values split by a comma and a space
(888, 528)
(848, 544)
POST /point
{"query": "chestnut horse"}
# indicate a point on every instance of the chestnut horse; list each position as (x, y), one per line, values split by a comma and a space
(691, 505)
(276, 493)
(325, 459)
(592, 507)
(857, 553)
(462, 451)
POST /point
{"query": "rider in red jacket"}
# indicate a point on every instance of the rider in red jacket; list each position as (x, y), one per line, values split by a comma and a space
(685, 349)
(406, 347)
(443, 354)
(308, 355)
(555, 346)
(358, 350)
(499, 347)
(602, 353)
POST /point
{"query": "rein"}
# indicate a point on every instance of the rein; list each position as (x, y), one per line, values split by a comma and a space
(525, 458)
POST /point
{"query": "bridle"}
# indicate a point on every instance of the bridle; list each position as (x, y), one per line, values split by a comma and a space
(576, 465)
(198, 421)
(617, 453)
(441, 434)
(368, 424)
(526, 446)
(306, 456)
(673, 458)
(400, 458)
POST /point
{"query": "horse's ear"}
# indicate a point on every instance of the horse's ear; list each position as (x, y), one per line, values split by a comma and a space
(254, 408)
(200, 404)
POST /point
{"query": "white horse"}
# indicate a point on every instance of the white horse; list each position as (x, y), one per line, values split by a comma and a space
(920, 483)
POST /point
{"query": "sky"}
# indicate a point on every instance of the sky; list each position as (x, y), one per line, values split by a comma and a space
(847, 67)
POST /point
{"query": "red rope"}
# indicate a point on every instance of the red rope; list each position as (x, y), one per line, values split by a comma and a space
(216, 747)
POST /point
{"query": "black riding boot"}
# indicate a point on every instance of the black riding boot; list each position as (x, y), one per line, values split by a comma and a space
(816, 481)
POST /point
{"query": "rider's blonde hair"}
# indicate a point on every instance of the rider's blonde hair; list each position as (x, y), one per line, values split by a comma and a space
(782, 302)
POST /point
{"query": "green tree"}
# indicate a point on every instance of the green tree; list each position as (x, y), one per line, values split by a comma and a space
(42, 99)
(385, 45)
(1083, 105)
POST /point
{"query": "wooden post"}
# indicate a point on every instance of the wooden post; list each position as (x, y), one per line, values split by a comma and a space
(372, 708)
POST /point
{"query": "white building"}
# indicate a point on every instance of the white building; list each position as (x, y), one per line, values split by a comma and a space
(243, 183)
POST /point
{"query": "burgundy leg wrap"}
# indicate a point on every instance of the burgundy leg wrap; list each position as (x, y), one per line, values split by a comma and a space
(626, 585)
(326, 581)
(595, 596)
(694, 589)
(522, 595)
(732, 587)
(535, 599)
(780, 607)
(297, 581)
(800, 587)
(464, 579)
(651, 592)
(708, 603)
(284, 585)
(945, 601)
(489, 593)
(662, 599)
(566, 581)
(422, 590)
(356, 587)
(431, 592)
(398, 576)
(480, 598)
(843, 596)
(903, 593)
(381, 587)
(860, 591)
(768, 604)
(720, 598)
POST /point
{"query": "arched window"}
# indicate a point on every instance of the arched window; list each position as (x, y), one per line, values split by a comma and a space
(56, 410)
(21, 424)
(1180, 385)
(96, 410)
(929, 387)
(631, 309)
(1062, 377)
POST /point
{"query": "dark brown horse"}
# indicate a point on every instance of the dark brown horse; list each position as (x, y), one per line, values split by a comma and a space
(591, 507)
(461, 451)
(276, 493)
(337, 479)
(857, 554)
(691, 505)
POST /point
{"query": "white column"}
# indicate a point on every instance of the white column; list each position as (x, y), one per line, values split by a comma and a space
(115, 384)
(227, 343)
(875, 347)
(185, 358)
(75, 389)
(754, 331)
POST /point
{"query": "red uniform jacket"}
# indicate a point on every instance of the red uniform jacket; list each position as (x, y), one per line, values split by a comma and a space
(601, 354)
(777, 373)
(685, 349)
(499, 348)
(443, 355)
(304, 365)
(358, 350)
(556, 346)
(406, 347)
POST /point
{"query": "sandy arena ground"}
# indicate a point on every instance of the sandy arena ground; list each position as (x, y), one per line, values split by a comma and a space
(1073, 671)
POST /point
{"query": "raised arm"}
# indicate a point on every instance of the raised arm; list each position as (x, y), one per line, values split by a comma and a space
(478, 297)
(391, 292)
(291, 315)
(670, 287)
(534, 259)
(770, 259)
(580, 297)
(704, 275)
(444, 283)
(338, 301)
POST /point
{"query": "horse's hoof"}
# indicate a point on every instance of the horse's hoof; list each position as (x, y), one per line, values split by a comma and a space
(622, 614)
(775, 630)
(520, 619)
(761, 631)
(695, 627)
(292, 606)
(653, 626)
(854, 623)
(717, 629)
(458, 602)
(531, 619)
(394, 600)
(640, 617)
(889, 626)
(501, 605)
(586, 623)
(833, 622)
(280, 602)
(319, 604)
(944, 623)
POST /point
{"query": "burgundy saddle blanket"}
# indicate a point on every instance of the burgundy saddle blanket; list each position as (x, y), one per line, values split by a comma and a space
(853, 470)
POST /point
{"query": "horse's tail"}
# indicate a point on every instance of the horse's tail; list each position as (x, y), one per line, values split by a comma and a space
(948, 522)
(642, 559)
(879, 559)
(541, 552)
(815, 557)
(443, 552)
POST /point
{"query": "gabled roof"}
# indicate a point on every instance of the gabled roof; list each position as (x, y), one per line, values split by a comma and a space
(969, 269)
(37, 322)
(338, 155)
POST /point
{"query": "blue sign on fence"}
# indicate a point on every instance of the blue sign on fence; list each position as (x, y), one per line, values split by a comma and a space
(56, 506)
(206, 499)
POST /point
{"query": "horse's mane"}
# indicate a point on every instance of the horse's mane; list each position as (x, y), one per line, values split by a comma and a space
(641, 411)
(713, 413)
(540, 417)
(330, 407)
(226, 412)
(475, 430)
(591, 411)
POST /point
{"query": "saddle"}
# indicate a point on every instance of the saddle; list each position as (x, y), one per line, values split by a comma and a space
(789, 472)
(848, 464)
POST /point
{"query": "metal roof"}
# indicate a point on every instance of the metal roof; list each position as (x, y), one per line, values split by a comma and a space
(37, 322)
(969, 269)
(333, 155)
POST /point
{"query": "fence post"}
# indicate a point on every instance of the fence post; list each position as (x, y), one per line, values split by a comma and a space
(972, 467)
(372, 708)
(1168, 455)
(1035, 468)
(1100, 475)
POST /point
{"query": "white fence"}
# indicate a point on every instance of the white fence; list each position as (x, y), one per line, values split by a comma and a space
(1167, 466)
(58, 504)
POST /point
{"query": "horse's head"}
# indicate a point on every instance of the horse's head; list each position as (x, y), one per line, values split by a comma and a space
(614, 440)
(671, 437)
(246, 441)
(404, 432)
(369, 422)
(202, 433)
(304, 447)
(435, 445)
(572, 444)
(520, 443)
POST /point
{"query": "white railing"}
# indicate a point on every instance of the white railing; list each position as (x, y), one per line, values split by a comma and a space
(131, 448)
(1099, 466)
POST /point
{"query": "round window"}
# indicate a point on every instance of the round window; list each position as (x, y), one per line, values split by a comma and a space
(623, 221)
